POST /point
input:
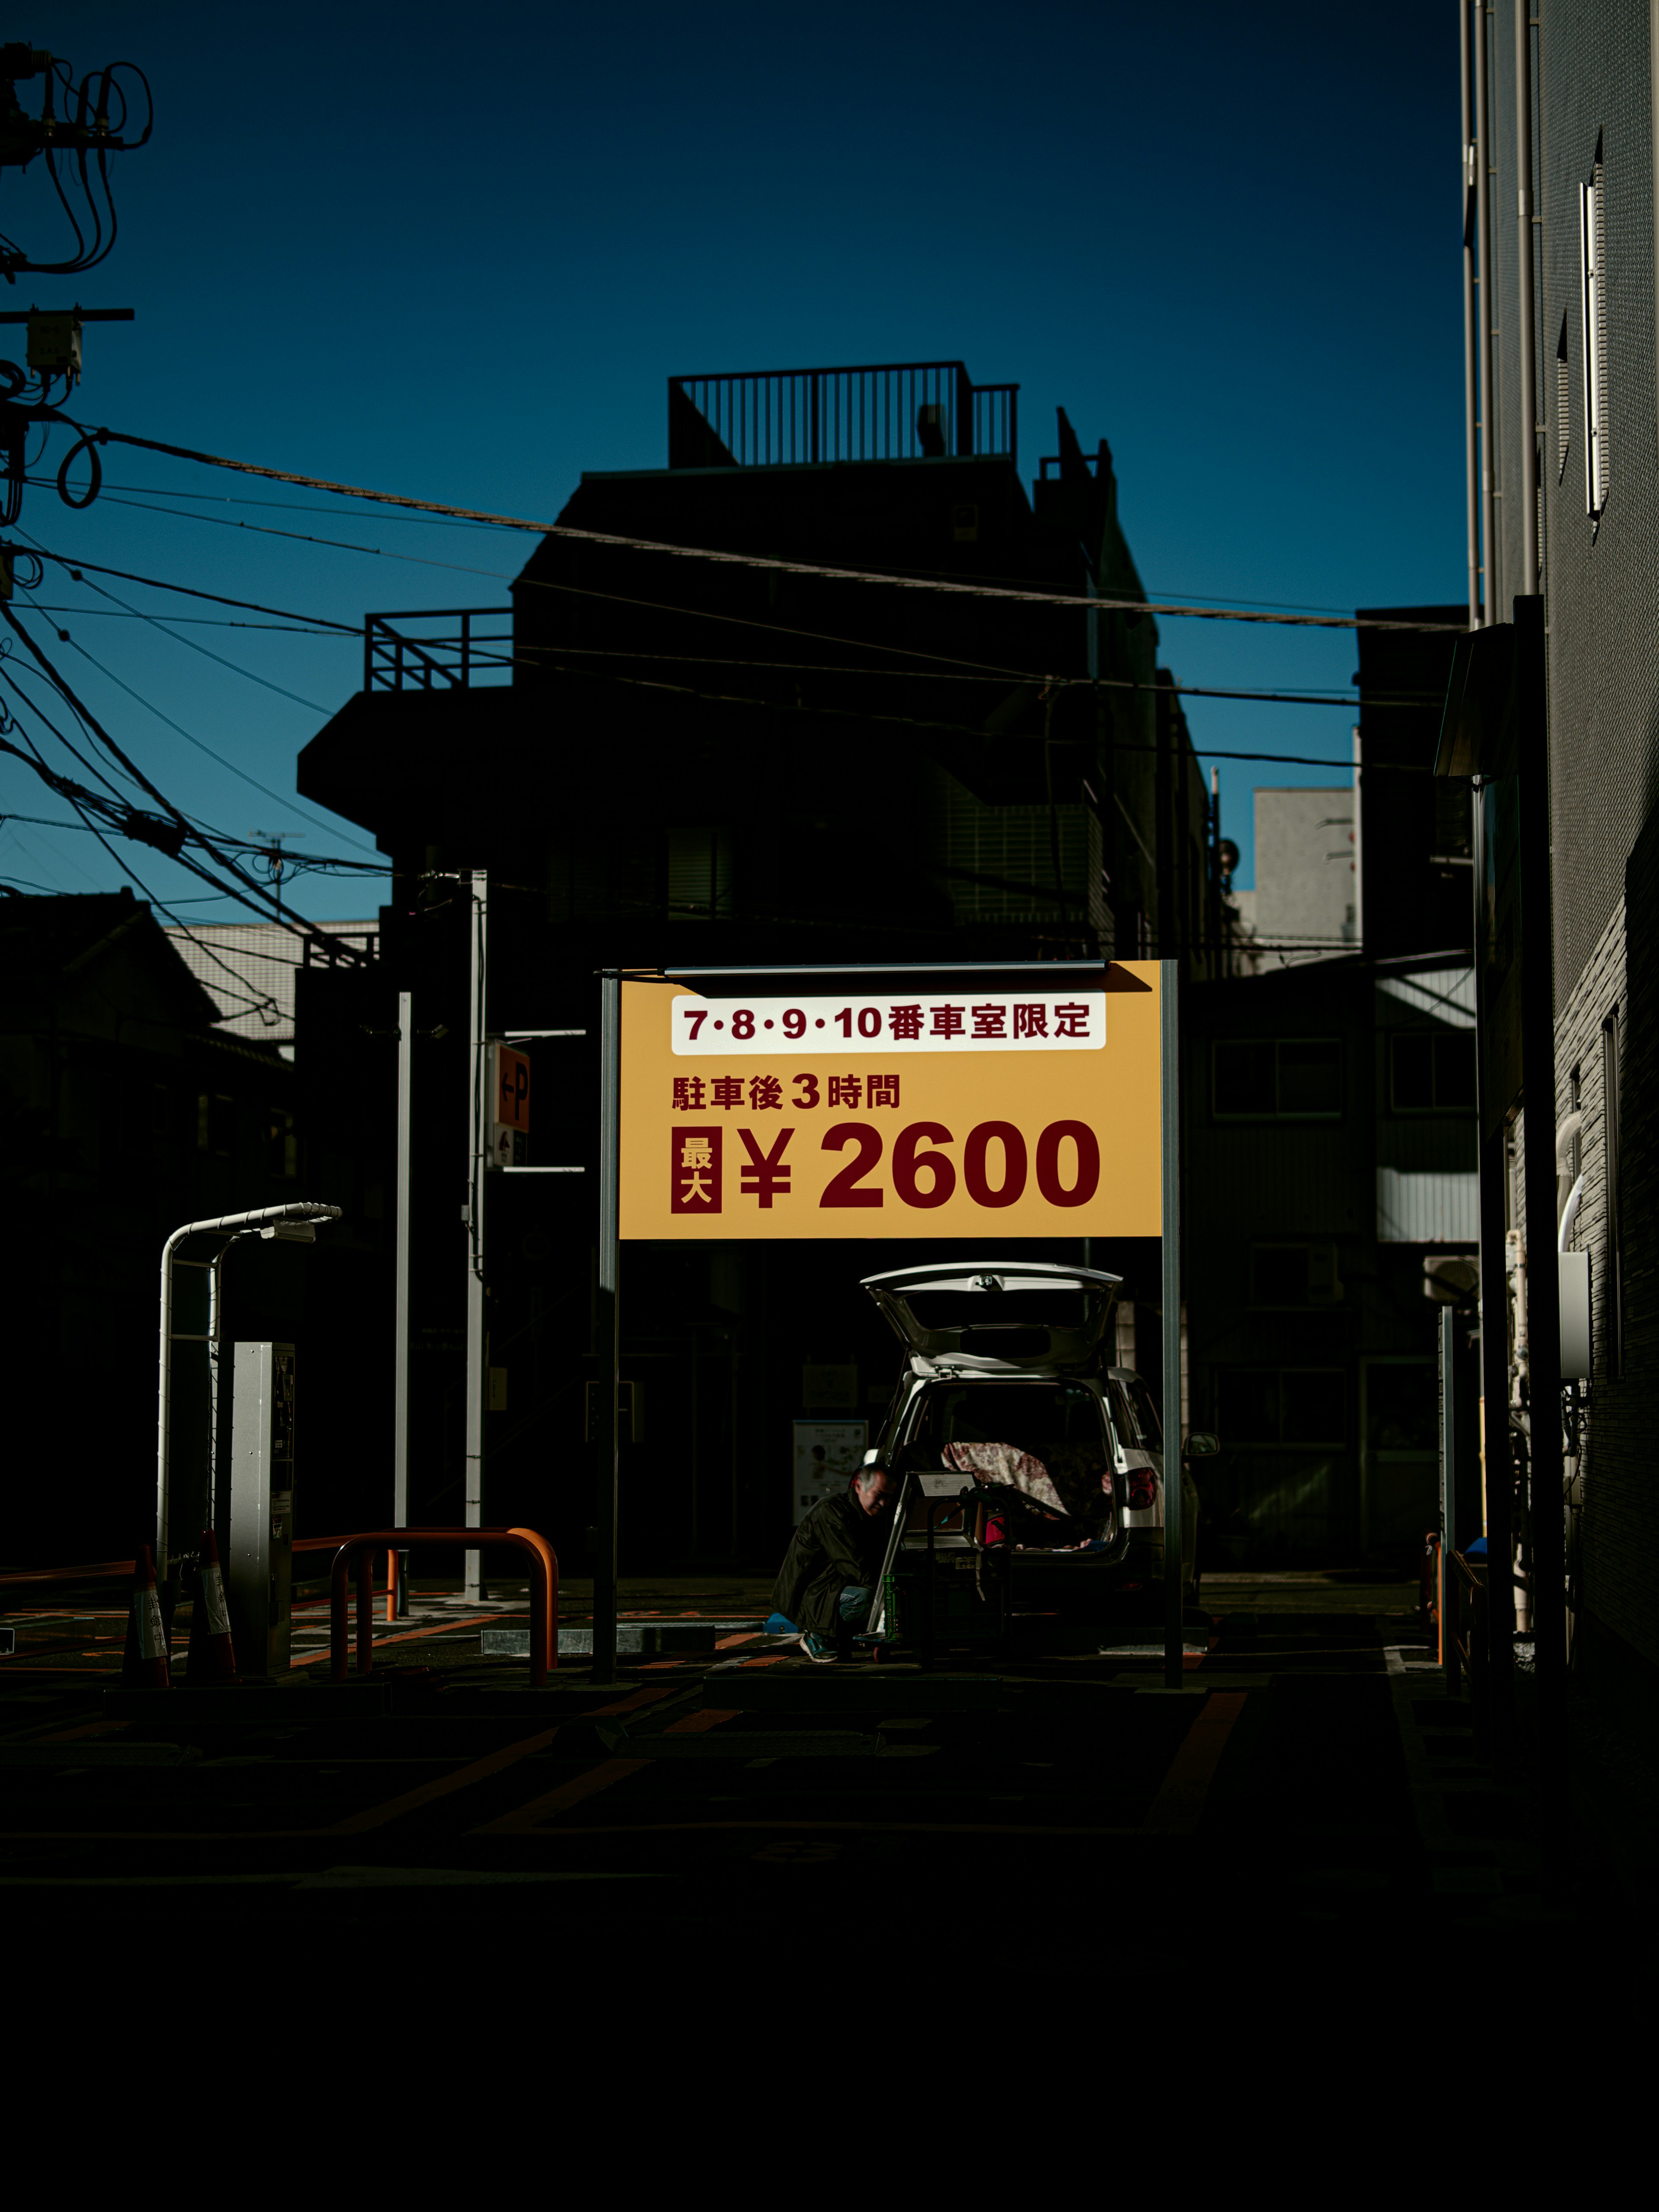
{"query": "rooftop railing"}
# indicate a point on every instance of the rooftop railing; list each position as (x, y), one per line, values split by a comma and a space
(783, 418)
(438, 649)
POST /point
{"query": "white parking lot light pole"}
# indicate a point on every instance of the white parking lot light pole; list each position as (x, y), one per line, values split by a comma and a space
(296, 1221)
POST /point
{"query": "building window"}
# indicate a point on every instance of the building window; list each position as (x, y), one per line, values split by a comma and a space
(281, 1146)
(1294, 1275)
(699, 874)
(1278, 1406)
(1431, 1070)
(1613, 1163)
(215, 1124)
(1593, 300)
(1281, 1079)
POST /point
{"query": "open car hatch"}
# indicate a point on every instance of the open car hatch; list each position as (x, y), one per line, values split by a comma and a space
(1024, 1311)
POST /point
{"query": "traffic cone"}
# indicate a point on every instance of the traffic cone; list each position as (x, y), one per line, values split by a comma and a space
(211, 1657)
(144, 1664)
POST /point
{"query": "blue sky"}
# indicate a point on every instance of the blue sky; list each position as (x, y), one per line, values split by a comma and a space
(458, 256)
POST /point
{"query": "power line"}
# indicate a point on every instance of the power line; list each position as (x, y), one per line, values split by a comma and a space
(197, 622)
(74, 565)
(1283, 698)
(978, 730)
(441, 521)
(530, 658)
(1070, 599)
(180, 731)
(90, 722)
(310, 705)
(301, 862)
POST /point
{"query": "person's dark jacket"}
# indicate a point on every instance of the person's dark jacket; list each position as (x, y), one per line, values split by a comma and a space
(836, 1544)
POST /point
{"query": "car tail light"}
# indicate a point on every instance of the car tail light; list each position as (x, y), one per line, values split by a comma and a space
(1143, 1489)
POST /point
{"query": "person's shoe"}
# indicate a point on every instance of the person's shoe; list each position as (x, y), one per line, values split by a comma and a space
(815, 1649)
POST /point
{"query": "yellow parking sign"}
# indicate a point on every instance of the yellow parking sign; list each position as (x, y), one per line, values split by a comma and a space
(872, 1112)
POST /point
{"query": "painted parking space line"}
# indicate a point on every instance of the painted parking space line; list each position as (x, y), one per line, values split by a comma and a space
(632, 1703)
(444, 1785)
(528, 1818)
(1179, 1804)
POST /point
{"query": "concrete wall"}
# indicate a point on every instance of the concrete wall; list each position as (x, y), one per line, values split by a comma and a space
(1304, 871)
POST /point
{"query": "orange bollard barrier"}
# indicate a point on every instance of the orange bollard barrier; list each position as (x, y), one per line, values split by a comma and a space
(355, 1559)
(211, 1657)
(144, 1663)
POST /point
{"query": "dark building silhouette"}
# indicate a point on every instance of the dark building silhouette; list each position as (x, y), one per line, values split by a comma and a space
(665, 758)
(126, 1113)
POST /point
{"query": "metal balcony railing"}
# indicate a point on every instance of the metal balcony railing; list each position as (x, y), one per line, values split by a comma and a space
(438, 649)
(782, 417)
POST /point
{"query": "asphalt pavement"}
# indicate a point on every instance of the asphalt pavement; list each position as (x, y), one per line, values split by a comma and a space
(1310, 1775)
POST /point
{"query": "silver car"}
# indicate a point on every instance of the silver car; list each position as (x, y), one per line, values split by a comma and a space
(1006, 1394)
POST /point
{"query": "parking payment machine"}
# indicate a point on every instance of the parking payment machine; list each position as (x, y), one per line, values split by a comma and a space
(259, 1552)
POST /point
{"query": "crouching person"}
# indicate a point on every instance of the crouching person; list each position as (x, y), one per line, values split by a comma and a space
(827, 1583)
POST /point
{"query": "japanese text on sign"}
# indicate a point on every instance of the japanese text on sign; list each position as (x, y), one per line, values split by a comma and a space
(941, 1022)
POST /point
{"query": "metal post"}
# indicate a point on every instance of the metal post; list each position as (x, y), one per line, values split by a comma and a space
(1359, 839)
(1174, 1590)
(1471, 387)
(1446, 1595)
(478, 1106)
(400, 1409)
(215, 1321)
(1531, 551)
(164, 1408)
(1490, 598)
(608, 1333)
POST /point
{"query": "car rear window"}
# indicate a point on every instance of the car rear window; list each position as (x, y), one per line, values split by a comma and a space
(1032, 1415)
(1055, 1308)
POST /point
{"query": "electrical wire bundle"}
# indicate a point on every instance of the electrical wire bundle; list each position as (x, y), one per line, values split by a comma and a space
(86, 132)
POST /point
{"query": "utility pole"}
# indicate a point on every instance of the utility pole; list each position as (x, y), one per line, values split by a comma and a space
(607, 1343)
(400, 1411)
(477, 1117)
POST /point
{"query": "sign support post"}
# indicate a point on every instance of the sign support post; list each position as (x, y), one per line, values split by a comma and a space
(607, 1336)
(1174, 1442)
